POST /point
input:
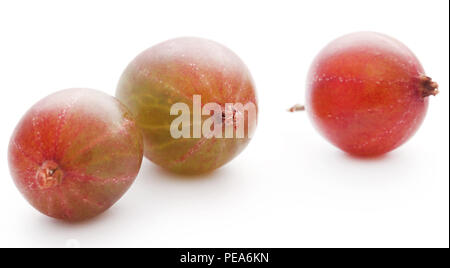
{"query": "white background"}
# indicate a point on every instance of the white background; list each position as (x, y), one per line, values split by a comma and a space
(289, 188)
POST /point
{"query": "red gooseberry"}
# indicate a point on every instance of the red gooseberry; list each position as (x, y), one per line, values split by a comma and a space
(367, 93)
(75, 153)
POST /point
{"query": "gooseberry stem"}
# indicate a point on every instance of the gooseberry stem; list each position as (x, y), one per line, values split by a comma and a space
(428, 86)
(296, 108)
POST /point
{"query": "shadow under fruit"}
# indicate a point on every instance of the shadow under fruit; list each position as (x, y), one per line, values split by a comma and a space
(75, 153)
(367, 93)
(173, 72)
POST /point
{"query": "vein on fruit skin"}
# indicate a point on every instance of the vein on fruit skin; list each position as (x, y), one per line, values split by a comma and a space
(22, 151)
(85, 199)
(37, 134)
(161, 146)
(80, 177)
(86, 148)
(156, 127)
(165, 84)
(49, 206)
(61, 122)
(66, 210)
(194, 149)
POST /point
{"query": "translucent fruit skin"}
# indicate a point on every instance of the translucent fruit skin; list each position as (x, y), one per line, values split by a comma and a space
(365, 95)
(75, 153)
(172, 72)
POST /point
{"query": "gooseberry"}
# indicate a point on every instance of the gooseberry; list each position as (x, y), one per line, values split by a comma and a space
(75, 153)
(367, 93)
(193, 72)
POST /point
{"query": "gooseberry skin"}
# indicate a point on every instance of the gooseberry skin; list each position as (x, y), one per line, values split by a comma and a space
(75, 153)
(367, 93)
(173, 72)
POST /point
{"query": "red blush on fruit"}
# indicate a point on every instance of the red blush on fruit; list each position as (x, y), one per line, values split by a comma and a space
(175, 71)
(75, 153)
(367, 93)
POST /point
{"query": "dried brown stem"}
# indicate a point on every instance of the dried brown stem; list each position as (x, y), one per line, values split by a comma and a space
(428, 86)
(296, 108)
